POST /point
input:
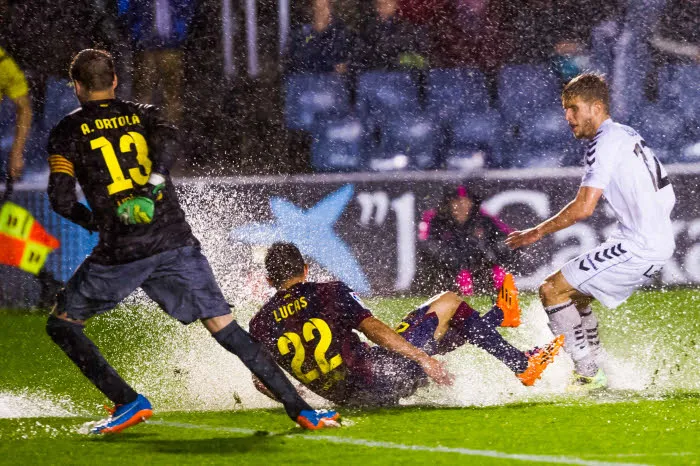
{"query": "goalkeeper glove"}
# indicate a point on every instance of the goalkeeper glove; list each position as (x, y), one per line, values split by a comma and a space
(140, 208)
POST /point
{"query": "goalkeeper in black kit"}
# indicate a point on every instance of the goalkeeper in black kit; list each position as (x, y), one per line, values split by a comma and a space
(121, 153)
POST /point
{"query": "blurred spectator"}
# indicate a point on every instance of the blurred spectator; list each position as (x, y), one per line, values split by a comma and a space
(677, 36)
(462, 247)
(388, 42)
(13, 85)
(468, 33)
(159, 30)
(632, 51)
(553, 32)
(43, 36)
(323, 46)
(604, 36)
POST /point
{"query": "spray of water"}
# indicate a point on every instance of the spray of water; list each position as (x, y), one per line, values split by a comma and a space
(183, 368)
(27, 403)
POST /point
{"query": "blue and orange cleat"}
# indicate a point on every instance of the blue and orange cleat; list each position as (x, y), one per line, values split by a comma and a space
(123, 416)
(317, 419)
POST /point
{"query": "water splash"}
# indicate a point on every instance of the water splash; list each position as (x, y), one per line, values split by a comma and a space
(26, 404)
(183, 368)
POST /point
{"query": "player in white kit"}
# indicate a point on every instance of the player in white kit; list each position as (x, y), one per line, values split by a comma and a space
(621, 167)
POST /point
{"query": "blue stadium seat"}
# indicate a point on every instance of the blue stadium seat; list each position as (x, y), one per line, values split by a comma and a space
(311, 97)
(60, 101)
(664, 130)
(533, 119)
(679, 88)
(676, 81)
(382, 95)
(409, 140)
(547, 127)
(542, 156)
(679, 96)
(525, 90)
(473, 135)
(451, 91)
(691, 152)
(338, 145)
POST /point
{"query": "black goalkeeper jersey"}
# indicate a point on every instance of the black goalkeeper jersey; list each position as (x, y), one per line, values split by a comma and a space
(111, 147)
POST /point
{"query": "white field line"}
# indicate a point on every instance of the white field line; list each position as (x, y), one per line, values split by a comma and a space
(631, 455)
(401, 446)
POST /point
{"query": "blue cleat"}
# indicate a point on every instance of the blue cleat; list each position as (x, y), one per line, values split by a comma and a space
(123, 416)
(318, 419)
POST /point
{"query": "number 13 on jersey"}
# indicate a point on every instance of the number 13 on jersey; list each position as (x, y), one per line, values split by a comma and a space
(127, 143)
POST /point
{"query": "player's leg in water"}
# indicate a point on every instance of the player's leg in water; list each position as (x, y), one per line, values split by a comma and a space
(589, 322)
(458, 323)
(231, 336)
(69, 335)
(130, 408)
(184, 286)
(94, 289)
(562, 302)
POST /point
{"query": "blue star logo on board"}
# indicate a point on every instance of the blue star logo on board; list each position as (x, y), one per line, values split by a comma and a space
(312, 231)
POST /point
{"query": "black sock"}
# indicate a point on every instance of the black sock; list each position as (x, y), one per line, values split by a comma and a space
(482, 333)
(82, 351)
(493, 318)
(239, 342)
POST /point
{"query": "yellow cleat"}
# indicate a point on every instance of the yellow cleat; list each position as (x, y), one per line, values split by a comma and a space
(507, 301)
(538, 360)
(584, 384)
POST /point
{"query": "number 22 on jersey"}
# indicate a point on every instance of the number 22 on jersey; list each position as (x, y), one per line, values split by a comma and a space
(127, 142)
(294, 340)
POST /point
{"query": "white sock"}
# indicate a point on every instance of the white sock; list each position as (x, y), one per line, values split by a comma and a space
(565, 319)
(589, 322)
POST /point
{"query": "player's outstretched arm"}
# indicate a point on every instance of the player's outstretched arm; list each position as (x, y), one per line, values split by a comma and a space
(381, 334)
(579, 209)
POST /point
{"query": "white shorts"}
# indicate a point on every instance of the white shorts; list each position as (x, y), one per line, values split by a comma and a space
(610, 273)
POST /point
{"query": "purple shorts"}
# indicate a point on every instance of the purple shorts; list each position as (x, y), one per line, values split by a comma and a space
(394, 376)
(418, 328)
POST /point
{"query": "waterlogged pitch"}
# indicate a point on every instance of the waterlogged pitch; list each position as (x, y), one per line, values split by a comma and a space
(207, 411)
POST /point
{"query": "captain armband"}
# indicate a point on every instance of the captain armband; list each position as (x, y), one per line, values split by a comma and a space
(60, 164)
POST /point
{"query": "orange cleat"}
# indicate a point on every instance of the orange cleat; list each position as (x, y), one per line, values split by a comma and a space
(507, 301)
(538, 359)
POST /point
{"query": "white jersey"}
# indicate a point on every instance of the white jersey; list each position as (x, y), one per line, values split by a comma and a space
(636, 186)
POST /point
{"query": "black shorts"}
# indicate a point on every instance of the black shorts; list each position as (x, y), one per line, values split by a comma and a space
(180, 281)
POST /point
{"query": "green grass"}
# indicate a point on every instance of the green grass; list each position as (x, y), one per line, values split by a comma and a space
(654, 432)
(656, 423)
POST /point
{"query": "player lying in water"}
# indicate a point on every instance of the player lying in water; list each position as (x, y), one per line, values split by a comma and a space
(308, 328)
